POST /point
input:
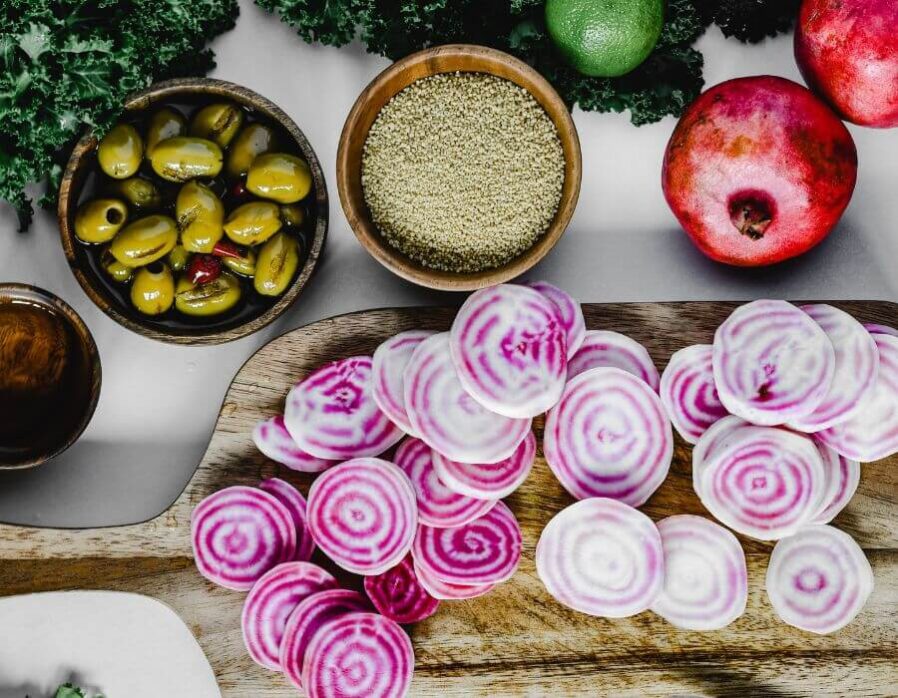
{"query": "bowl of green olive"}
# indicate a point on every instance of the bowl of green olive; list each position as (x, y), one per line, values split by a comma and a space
(198, 217)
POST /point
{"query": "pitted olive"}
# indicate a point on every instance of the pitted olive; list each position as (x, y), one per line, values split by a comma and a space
(116, 270)
(200, 216)
(218, 122)
(141, 194)
(153, 290)
(253, 223)
(183, 157)
(252, 141)
(293, 215)
(120, 151)
(207, 299)
(99, 220)
(280, 177)
(165, 123)
(277, 263)
(177, 259)
(144, 241)
(245, 264)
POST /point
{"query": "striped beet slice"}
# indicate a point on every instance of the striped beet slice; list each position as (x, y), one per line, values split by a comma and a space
(291, 498)
(438, 505)
(447, 418)
(389, 363)
(607, 349)
(876, 328)
(332, 414)
(485, 551)
(362, 514)
(399, 595)
(688, 393)
(569, 313)
(358, 655)
(307, 619)
(609, 436)
(274, 441)
(510, 350)
(718, 436)
(841, 477)
(772, 363)
(271, 601)
(450, 592)
(238, 534)
(488, 481)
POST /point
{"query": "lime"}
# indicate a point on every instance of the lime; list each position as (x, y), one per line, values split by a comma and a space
(605, 38)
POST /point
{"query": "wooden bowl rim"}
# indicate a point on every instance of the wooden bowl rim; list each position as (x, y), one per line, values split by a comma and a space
(29, 292)
(357, 211)
(143, 100)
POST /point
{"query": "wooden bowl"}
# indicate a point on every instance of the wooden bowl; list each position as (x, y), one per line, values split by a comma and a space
(50, 376)
(182, 330)
(450, 59)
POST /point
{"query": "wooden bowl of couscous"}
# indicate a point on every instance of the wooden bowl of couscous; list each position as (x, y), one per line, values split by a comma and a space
(459, 167)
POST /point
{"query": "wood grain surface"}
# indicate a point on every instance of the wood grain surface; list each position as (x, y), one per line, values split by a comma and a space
(516, 640)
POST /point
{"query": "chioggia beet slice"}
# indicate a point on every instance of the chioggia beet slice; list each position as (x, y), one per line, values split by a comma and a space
(609, 436)
(569, 313)
(718, 436)
(389, 363)
(445, 416)
(271, 601)
(485, 551)
(307, 618)
(607, 349)
(291, 498)
(488, 481)
(398, 595)
(450, 592)
(332, 413)
(841, 477)
(510, 350)
(819, 579)
(438, 505)
(856, 368)
(688, 393)
(876, 328)
(601, 557)
(238, 534)
(362, 514)
(772, 363)
(705, 575)
(274, 441)
(766, 484)
(358, 654)
(873, 432)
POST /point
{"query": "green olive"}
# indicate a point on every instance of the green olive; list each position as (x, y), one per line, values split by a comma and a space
(141, 194)
(183, 157)
(211, 298)
(218, 122)
(254, 140)
(245, 264)
(177, 259)
(165, 123)
(293, 215)
(279, 177)
(99, 220)
(153, 290)
(200, 216)
(120, 151)
(116, 270)
(253, 223)
(278, 260)
(145, 240)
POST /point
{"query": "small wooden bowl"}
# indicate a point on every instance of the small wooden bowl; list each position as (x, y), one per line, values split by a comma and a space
(82, 163)
(25, 440)
(450, 59)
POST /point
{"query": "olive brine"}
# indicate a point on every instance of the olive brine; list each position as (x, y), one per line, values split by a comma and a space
(195, 211)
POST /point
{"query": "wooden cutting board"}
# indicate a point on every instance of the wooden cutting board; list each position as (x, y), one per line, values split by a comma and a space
(516, 640)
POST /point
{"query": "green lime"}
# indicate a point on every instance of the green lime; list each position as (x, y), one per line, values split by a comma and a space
(605, 38)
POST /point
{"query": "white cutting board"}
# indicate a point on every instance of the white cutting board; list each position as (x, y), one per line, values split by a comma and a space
(125, 645)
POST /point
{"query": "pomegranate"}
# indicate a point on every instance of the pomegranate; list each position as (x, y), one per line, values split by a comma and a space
(758, 170)
(847, 51)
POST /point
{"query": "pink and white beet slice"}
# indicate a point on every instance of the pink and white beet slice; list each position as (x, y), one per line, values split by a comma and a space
(388, 366)
(399, 595)
(607, 349)
(569, 313)
(274, 441)
(291, 498)
(688, 392)
(488, 481)
(841, 477)
(450, 592)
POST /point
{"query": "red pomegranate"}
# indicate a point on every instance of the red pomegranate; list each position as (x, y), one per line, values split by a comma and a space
(758, 170)
(847, 51)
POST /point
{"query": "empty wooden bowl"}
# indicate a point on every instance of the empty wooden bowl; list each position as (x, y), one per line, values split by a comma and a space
(249, 317)
(451, 59)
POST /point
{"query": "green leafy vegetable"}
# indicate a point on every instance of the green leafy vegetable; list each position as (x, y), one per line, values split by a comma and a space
(69, 691)
(69, 63)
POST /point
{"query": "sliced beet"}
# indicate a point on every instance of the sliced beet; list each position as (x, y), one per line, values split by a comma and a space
(607, 349)
(274, 441)
(291, 498)
(688, 392)
(389, 363)
(399, 595)
(488, 481)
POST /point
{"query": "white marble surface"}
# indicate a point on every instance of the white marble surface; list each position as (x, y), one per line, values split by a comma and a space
(158, 402)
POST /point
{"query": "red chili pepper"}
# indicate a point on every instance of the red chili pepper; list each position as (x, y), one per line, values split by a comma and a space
(203, 269)
(226, 248)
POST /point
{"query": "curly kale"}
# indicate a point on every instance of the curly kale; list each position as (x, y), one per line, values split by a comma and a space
(750, 20)
(69, 63)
